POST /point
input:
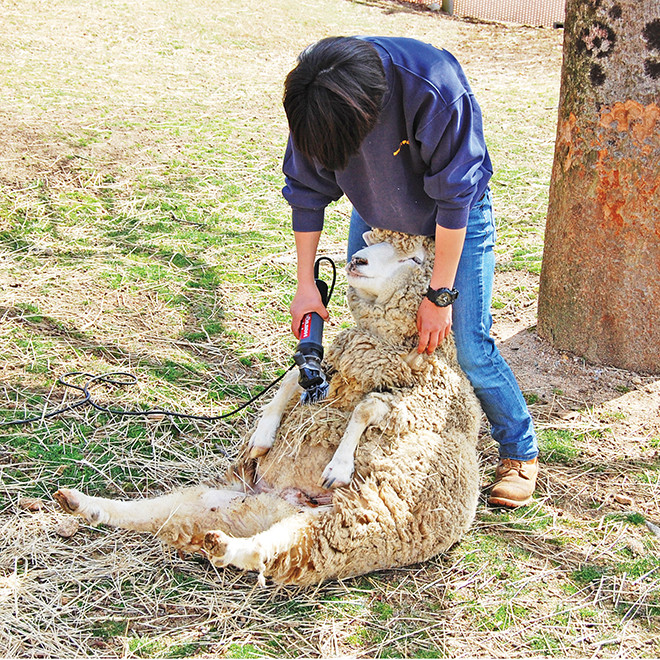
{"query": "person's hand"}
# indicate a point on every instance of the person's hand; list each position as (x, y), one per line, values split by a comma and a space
(433, 325)
(307, 299)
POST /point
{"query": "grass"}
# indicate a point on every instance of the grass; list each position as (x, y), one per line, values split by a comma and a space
(558, 445)
(142, 229)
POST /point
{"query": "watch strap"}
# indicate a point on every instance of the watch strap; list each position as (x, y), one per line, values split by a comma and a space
(442, 297)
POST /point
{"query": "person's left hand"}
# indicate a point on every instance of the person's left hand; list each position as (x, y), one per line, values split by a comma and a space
(433, 325)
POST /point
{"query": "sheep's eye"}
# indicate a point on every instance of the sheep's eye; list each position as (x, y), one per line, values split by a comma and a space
(417, 260)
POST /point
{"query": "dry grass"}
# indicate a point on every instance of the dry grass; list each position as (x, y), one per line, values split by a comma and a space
(142, 229)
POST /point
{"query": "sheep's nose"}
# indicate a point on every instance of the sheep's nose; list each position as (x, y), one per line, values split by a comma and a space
(359, 261)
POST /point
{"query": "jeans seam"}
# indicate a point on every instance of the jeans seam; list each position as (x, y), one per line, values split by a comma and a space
(485, 333)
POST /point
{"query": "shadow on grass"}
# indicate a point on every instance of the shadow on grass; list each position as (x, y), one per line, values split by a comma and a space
(202, 283)
(215, 387)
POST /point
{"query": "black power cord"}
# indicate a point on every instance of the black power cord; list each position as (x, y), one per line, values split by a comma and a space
(124, 379)
(317, 265)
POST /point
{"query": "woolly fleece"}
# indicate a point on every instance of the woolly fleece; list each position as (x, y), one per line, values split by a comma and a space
(416, 483)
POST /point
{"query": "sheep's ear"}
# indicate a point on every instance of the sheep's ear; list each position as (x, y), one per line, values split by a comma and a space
(429, 246)
(368, 238)
(419, 256)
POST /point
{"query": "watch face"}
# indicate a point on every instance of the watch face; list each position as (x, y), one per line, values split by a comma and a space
(443, 299)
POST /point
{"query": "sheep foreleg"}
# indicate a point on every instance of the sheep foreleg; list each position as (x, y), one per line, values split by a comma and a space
(264, 435)
(339, 470)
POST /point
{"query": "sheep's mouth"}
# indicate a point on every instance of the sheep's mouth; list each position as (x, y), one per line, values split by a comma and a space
(353, 267)
(353, 272)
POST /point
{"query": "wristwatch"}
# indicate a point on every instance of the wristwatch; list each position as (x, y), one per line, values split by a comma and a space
(442, 297)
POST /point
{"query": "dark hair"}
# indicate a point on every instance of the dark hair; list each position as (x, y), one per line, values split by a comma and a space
(333, 97)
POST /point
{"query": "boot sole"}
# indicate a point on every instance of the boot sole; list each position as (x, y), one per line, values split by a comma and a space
(511, 504)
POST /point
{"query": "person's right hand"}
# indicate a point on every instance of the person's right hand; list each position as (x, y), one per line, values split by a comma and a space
(307, 299)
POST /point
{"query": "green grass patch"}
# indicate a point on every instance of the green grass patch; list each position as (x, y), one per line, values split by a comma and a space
(531, 398)
(69, 461)
(636, 567)
(529, 518)
(587, 574)
(62, 453)
(110, 628)
(547, 644)
(243, 651)
(632, 518)
(174, 372)
(558, 445)
(503, 617)
(30, 312)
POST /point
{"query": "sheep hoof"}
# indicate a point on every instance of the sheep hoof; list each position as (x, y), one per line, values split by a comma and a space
(256, 451)
(336, 475)
(215, 546)
(263, 437)
(74, 502)
(331, 483)
(68, 500)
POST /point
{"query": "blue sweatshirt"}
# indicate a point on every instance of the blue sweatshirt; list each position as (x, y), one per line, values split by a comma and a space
(425, 161)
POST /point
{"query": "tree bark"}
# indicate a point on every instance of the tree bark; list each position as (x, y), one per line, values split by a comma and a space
(599, 294)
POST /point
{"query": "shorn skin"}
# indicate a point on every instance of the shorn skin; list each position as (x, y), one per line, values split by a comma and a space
(294, 506)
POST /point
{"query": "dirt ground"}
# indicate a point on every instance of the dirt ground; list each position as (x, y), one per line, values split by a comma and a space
(543, 370)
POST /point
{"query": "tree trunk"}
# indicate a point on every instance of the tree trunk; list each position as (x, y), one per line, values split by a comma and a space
(600, 281)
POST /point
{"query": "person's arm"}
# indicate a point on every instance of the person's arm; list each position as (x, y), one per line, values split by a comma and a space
(454, 150)
(433, 322)
(309, 189)
(307, 297)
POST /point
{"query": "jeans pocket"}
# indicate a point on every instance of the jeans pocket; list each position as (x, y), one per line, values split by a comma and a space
(481, 223)
(485, 198)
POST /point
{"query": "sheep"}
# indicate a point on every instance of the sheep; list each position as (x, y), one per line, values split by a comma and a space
(290, 506)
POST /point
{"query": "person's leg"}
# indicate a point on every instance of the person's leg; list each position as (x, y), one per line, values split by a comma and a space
(355, 241)
(491, 377)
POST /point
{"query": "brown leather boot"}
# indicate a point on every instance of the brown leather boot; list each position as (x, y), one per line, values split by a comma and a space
(514, 483)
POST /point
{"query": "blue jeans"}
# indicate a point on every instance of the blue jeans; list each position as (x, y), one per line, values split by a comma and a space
(492, 379)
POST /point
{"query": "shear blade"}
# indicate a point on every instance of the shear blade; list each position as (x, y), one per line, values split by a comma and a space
(315, 393)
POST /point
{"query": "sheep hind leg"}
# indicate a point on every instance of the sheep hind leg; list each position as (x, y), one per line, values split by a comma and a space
(253, 553)
(181, 518)
(339, 470)
(264, 435)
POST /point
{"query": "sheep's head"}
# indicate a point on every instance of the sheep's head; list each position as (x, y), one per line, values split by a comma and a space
(387, 281)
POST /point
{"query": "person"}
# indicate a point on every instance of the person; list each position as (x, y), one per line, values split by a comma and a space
(393, 124)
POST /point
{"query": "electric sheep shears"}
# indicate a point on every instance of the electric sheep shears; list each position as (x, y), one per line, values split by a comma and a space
(309, 352)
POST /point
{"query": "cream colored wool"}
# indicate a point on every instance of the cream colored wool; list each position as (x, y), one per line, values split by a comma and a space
(416, 482)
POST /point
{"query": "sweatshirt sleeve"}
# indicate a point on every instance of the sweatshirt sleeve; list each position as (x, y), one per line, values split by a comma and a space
(454, 150)
(309, 189)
